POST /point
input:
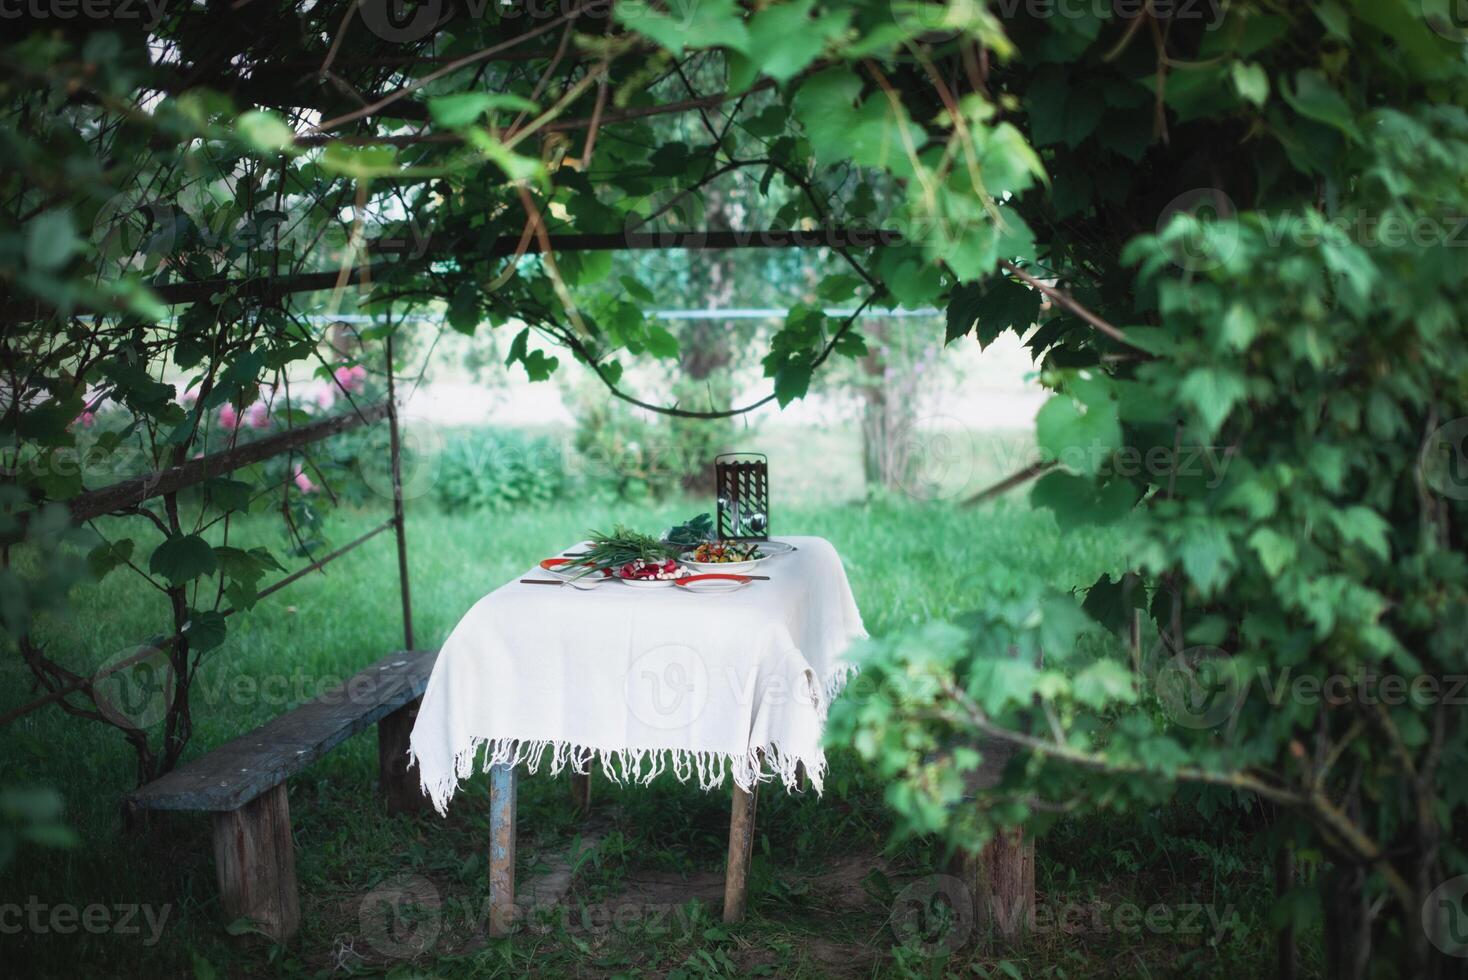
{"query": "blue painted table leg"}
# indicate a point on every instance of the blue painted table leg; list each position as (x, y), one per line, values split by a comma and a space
(501, 850)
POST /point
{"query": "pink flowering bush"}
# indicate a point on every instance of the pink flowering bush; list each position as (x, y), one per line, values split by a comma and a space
(352, 379)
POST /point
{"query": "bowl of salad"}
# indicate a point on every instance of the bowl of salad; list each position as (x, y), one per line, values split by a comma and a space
(732, 557)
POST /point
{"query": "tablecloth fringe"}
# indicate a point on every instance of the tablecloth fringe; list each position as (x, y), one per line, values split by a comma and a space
(763, 763)
(836, 682)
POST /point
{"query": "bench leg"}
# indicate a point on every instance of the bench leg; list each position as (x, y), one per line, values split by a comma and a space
(581, 791)
(401, 791)
(741, 847)
(256, 862)
(501, 850)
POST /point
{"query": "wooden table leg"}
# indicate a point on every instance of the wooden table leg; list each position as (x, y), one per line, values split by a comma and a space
(501, 850)
(400, 789)
(741, 847)
(581, 791)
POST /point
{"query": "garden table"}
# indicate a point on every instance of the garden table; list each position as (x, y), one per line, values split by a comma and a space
(641, 681)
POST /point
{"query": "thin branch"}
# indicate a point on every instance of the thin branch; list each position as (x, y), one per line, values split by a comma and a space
(452, 67)
(1069, 302)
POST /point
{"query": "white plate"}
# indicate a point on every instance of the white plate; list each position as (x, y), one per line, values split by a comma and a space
(731, 567)
(573, 574)
(703, 585)
(645, 583)
(774, 549)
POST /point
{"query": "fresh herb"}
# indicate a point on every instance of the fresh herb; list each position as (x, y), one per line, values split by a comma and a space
(624, 545)
(692, 532)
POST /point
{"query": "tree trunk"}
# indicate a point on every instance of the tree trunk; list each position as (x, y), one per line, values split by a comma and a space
(1347, 924)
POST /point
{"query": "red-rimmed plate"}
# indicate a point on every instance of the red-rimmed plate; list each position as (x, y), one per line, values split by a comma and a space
(567, 568)
(714, 582)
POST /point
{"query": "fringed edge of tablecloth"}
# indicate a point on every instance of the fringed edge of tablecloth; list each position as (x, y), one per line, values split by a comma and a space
(761, 764)
(836, 683)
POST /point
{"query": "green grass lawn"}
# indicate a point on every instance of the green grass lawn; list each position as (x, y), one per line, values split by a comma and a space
(648, 859)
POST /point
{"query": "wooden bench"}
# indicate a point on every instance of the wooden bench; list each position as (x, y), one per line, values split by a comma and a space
(242, 783)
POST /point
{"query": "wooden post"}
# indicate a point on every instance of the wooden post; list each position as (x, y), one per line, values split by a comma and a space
(1284, 880)
(581, 790)
(401, 789)
(741, 847)
(396, 459)
(1001, 878)
(256, 863)
(501, 850)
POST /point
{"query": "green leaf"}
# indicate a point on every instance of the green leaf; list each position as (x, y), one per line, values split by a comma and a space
(637, 290)
(50, 240)
(1362, 525)
(1080, 436)
(661, 343)
(361, 163)
(994, 307)
(1103, 683)
(1314, 97)
(539, 367)
(1276, 552)
(844, 126)
(182, 557)
(515, 166)
(463, 311)
(792, 381)
(205, 629)
(109, 555)
(1060, 111)
(1078, 501)
(229, 494)
(1251, 82)
(518, 346)
(705, 24)
(1337, 22)
(1213, 391)
(463, 109)
(264, 132)
(783, 41)
(851, 344)
(1239, 326)
(1207, 556)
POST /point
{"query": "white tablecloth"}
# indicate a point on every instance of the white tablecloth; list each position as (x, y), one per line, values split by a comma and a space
(644, 680)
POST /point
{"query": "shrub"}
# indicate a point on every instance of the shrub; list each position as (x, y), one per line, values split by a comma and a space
(499, 469)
